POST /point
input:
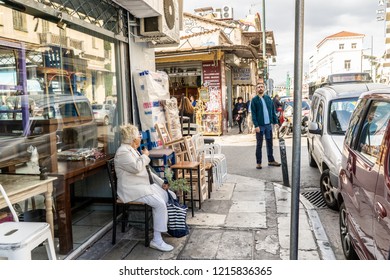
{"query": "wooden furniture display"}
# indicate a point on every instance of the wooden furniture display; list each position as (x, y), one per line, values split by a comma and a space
(159, 157)
(199, 156)
(68, 173)
(126, 207)
(22, 187)
(177, 145)
(190, 166)
(18, 239)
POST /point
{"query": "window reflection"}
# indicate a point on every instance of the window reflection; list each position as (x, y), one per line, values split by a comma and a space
(49, 81)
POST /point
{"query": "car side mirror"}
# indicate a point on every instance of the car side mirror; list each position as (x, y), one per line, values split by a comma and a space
(314, 128)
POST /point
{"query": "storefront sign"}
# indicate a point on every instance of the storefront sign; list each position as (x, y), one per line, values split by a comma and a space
(212, 80)
(211, 74)
(242, 76)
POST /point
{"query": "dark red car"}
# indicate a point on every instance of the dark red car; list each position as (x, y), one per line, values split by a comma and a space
(364, 180)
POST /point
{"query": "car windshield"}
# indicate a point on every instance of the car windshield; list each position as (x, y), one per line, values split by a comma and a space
(339, 114)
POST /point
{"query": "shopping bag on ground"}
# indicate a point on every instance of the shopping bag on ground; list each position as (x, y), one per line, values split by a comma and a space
(177, 215)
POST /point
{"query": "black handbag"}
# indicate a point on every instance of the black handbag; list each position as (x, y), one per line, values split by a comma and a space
(177, 215)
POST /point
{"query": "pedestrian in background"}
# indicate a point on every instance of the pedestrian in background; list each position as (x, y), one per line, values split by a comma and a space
(277, 103)
(187, 109)
(278, 109)
(240, 108)
(263, 116)
(193, 101)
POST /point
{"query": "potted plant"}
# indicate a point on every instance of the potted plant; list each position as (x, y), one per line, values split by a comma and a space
(176, 185)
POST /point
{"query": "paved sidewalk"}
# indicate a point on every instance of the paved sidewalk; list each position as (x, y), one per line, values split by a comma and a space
(245, 219)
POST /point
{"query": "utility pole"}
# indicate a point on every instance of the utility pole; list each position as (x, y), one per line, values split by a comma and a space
(296, 160)
(264, 43)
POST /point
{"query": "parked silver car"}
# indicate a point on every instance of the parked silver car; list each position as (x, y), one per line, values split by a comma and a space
(331, 109)
(101, 112)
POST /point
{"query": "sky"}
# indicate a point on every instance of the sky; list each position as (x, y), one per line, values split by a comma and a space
(321, 19)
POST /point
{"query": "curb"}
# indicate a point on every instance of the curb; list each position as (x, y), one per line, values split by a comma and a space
(321, 237)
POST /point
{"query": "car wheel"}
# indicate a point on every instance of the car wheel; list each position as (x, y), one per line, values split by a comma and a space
(326, 190)
(312, 162)
(349, 251)
(106, 120)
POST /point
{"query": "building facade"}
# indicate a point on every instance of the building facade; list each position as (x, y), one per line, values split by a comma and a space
(218, 57)
(339, 53)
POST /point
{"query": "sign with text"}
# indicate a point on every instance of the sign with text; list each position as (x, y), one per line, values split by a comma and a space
(211, 74)
(242, 76)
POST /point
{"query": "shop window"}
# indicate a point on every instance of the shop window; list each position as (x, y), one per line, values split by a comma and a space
(65, 74)
(20, 21)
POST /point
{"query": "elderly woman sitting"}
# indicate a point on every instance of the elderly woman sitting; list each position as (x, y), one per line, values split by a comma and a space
(137, 183)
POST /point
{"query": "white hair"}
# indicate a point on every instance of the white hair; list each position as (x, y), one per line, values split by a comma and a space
(129, 133)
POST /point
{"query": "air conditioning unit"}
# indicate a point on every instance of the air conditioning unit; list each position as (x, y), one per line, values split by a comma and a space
(164, 29)
(227, 12)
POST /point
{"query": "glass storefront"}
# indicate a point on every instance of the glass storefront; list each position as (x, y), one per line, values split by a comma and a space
(58, 93)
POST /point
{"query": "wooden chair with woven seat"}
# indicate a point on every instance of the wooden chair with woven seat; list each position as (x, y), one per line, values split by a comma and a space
(126, 207)
(156, 155)
(205, 167)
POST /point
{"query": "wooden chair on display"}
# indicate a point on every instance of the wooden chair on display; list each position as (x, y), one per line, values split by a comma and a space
(18, 239)
(125, 208)
(165, 155)
(205, 167)
(177, 145)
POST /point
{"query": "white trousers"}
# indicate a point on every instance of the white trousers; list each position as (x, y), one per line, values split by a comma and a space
(158, 201)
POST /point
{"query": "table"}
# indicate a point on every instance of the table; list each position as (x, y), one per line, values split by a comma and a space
(68, 173)
(190, 166)
(21, 187)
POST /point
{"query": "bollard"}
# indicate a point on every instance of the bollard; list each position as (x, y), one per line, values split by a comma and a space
(283, 158)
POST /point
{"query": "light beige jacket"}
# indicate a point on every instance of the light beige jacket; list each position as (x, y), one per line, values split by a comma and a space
(133, 179)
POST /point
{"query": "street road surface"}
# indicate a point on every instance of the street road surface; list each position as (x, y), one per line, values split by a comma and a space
(240, 153)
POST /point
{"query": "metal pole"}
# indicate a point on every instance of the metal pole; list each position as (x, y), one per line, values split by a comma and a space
(264, 44)
(296, 161)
